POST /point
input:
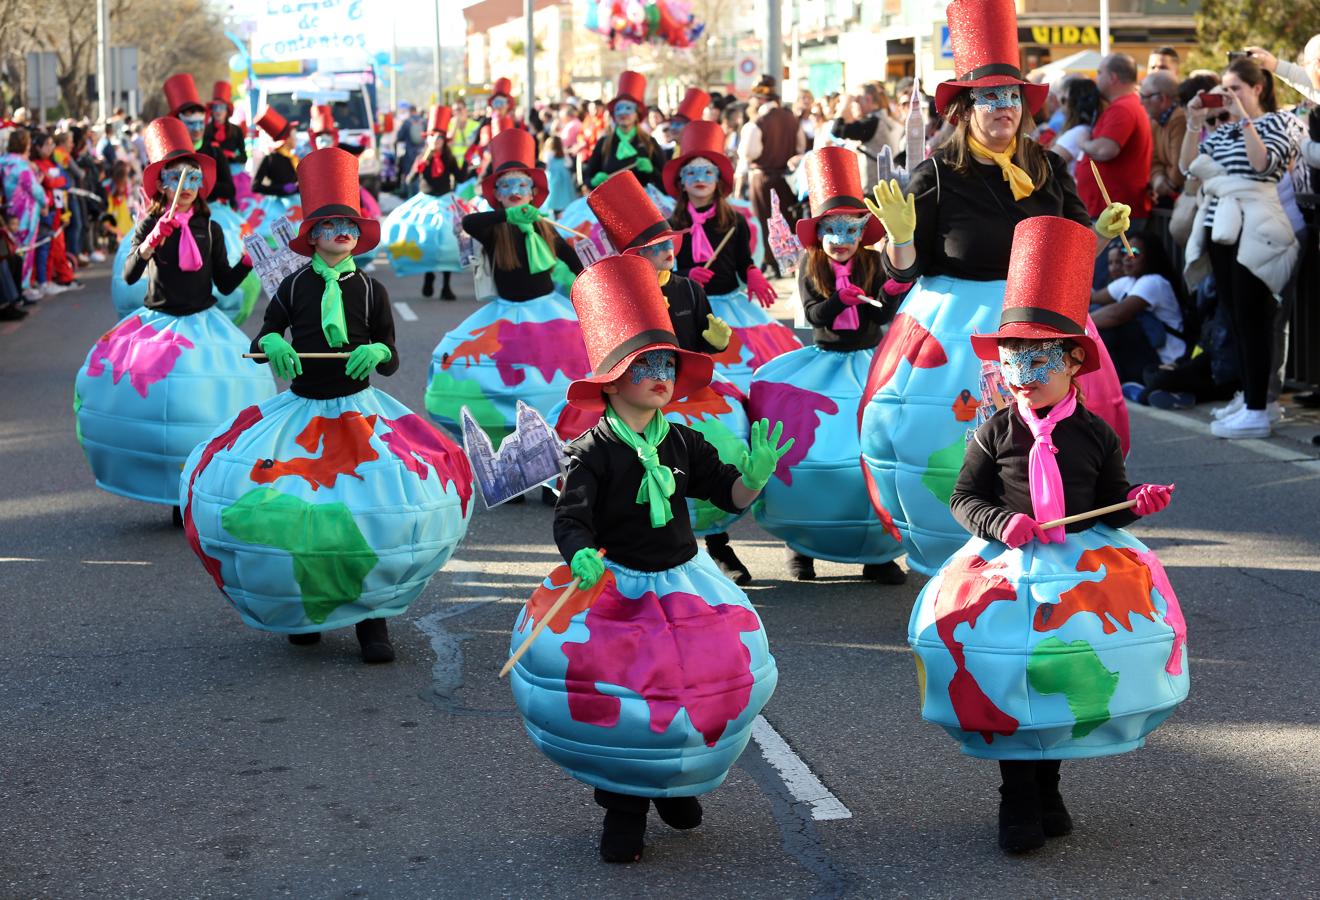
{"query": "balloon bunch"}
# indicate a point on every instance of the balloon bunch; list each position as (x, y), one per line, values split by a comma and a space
(636, 21)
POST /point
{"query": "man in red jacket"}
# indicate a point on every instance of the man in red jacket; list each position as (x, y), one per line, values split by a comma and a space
(1120, 143)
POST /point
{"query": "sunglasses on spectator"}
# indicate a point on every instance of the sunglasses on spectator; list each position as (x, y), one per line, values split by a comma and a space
(1219, 119)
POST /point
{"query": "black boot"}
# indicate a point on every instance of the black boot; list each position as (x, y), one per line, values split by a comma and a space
(801, 566)
(446, 293)
(374, 637)
(623, 834)
(1019, 808)
(679, 812)
(176, 516)
(1054, 818)
(428, 284)
(305, 639)
(717, 545)
(884, 573)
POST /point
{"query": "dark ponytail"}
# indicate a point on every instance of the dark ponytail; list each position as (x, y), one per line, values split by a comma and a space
(1251, 73)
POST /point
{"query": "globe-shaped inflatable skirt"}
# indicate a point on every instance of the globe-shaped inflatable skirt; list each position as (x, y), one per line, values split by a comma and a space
(816, 501)
(155, 386)
(318, 514)
(757, 337)
(649, 683)
(419, 235)
(1050, 651)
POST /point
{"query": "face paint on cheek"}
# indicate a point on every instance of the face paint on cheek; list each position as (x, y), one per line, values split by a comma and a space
(996, 98)
(661, 365)
(1033, 365)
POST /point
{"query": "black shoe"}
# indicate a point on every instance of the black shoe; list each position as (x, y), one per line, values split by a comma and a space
(1020, 828)
(1054, 818)
(12, 313)
(717, 545)
(428, 284)
(623, 836)
(521, 498)
(678, 812)
(176, 516)
(884, 573)
(548, 497)
(1310, 400)
(374, 637)
(801, 567)
(306, 639)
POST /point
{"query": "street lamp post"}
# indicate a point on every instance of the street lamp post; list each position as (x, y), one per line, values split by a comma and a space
(531, 59)
(437, 75)
(103, 59)
(774, 41)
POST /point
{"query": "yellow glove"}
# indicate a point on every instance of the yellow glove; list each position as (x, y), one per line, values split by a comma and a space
(1114, 220)
(898, 213)
(719, 332)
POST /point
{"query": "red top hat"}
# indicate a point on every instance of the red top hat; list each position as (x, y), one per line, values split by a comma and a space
(323, 122)
(985, 51)
(627, 215)
(693, 105)
(438, 123)
(705, 140)
(835, 188)
(513, 150)
(502, 87)
(274, 124)
(623, 315)
(632, 86)
(168, 142)
(328, 187)
(1049, 287)
(223, 92)
(181, 93)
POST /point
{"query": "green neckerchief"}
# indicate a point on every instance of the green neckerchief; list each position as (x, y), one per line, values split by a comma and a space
(332, 300)
(658, 481)
(624, 149)
(198, 144)
(539, 256)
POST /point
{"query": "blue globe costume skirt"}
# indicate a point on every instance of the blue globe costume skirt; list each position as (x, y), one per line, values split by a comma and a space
(647, 684)
(757, 337)
(318, 514)
(419, 236)
(1050, 651)
(261, 215)
(920, 408)
(155, 386)
(816, 501)
(504, 352)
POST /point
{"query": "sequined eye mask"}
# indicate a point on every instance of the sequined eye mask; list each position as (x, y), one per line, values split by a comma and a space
(170, 179)
(1023, 367)
(659, 249)
(996, 98)
(658, 364)
(324, 140)
(836, 230)
(499, 103)
(513, 186)
(333, 228)
(193, 121)
(624, 108)
(699, 173)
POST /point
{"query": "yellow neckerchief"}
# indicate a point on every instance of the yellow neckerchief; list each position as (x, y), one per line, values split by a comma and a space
(1018, 180)
(665, 275)
(289, 155)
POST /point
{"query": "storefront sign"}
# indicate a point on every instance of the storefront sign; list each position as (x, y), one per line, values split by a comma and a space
(1056, 35)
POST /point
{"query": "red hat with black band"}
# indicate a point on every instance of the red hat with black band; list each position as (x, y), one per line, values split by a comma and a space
(277, 128)
(700, 139)
(502, 87)
(181, 93)
(628, 217)
(329, 189)
(1049, 288)
(693, 105)
(834, 186)
(632, 86)
(513, 150)
(167, 142)
(223, 92)
(985, 52)
(323, 122)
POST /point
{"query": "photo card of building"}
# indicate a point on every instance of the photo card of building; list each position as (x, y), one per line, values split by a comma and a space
(531, 456)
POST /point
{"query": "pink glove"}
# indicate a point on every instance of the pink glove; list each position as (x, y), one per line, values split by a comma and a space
(701, 275)
(164, 228)
(246, 260)
(893, 288)
(760, 289)
(1021, 529)
(1151, 498)
(851, 295)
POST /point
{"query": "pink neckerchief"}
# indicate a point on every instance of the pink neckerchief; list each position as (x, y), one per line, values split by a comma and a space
(702, 251)
(846, 320)
(190, 258)
(1047, 500)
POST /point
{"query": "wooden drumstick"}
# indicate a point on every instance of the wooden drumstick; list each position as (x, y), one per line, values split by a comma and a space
(1095, 170)
(1102, 511)
(545, 620)
(302, 355)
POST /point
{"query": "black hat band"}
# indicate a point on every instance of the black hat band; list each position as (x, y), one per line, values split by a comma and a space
(633, 344)
(1008, 69)
(648, 234)
(1037, 316)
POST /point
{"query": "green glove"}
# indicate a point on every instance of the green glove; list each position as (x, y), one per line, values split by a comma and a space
(760, 462)
(1114, 220)
(364, 359)
(562, 274)
(645, 166)
(896, 212)
(598, 179)
(587, 567)
(283, 359)
(523, 215)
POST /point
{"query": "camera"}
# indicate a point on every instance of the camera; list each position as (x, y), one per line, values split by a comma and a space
(1235, 55)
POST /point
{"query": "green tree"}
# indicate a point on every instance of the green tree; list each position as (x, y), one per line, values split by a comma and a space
(1283, 28)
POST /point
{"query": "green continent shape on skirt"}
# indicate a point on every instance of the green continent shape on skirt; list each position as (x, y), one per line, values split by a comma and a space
(77, 405)
(330, 555)
(447, 396)
(1075, 671)
(730, 448)
(251, 288)
(942, 469)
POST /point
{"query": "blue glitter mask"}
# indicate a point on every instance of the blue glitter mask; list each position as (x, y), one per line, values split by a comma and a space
(1023, 367)
(194, 121)
(624, 108)
(324, 140)
(699, 172)
(170, 178)
(656, 250)
(836, 230)
(1005, 97)
(662, 365)
(507, 186)
(499, 102)
(333, 228)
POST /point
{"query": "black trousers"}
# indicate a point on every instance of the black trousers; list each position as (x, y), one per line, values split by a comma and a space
(1252, 309)
(1026, 774)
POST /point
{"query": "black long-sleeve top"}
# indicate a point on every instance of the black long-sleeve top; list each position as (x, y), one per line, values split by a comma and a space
(688, 308)
(862, 129)
(603, 159)
(731, 266)
(229, 138)
(993, 484)
(275, 171)
(223, 190)
(822, 309)
(965, 222)
(169, 288)
(436, 185)
(296, 308)
(598, 506)
(517, 284)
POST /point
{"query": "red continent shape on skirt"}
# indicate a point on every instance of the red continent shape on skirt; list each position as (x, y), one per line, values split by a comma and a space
(907, 339)
(1124, 591)
(139, 350)
(547, 347)
(346, 443)
(799, 410)
(242, 422)
(420, 446)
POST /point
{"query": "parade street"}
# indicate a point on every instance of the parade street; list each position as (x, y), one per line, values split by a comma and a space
(158, 747)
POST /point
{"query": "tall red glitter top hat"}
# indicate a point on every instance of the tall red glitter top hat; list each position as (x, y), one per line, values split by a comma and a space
(168, 142)
(1049, 287)
(632, 86)
(277, 128)
(328, 186)
(438, 121)
(693, 105)
(985, 51)
(223, 92)
(623, 315)
(834, 185)
(705, 140)
(502, 87)
(513, 150)
(627, 215)
(181, 93)
(323, 122)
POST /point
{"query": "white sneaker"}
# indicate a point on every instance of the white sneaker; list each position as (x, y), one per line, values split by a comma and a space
(98, 256)
(1248, 423)
(1274, 411)
(32, 295)
(1238, 403)
(50, 288)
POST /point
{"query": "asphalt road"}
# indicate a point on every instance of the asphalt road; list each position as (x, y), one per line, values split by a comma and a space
(156, 747)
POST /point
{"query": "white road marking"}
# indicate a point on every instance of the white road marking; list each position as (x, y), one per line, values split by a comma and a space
(800, 781)
(405, 311)
(115, 562)
(1300, 457)
(4, 559)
